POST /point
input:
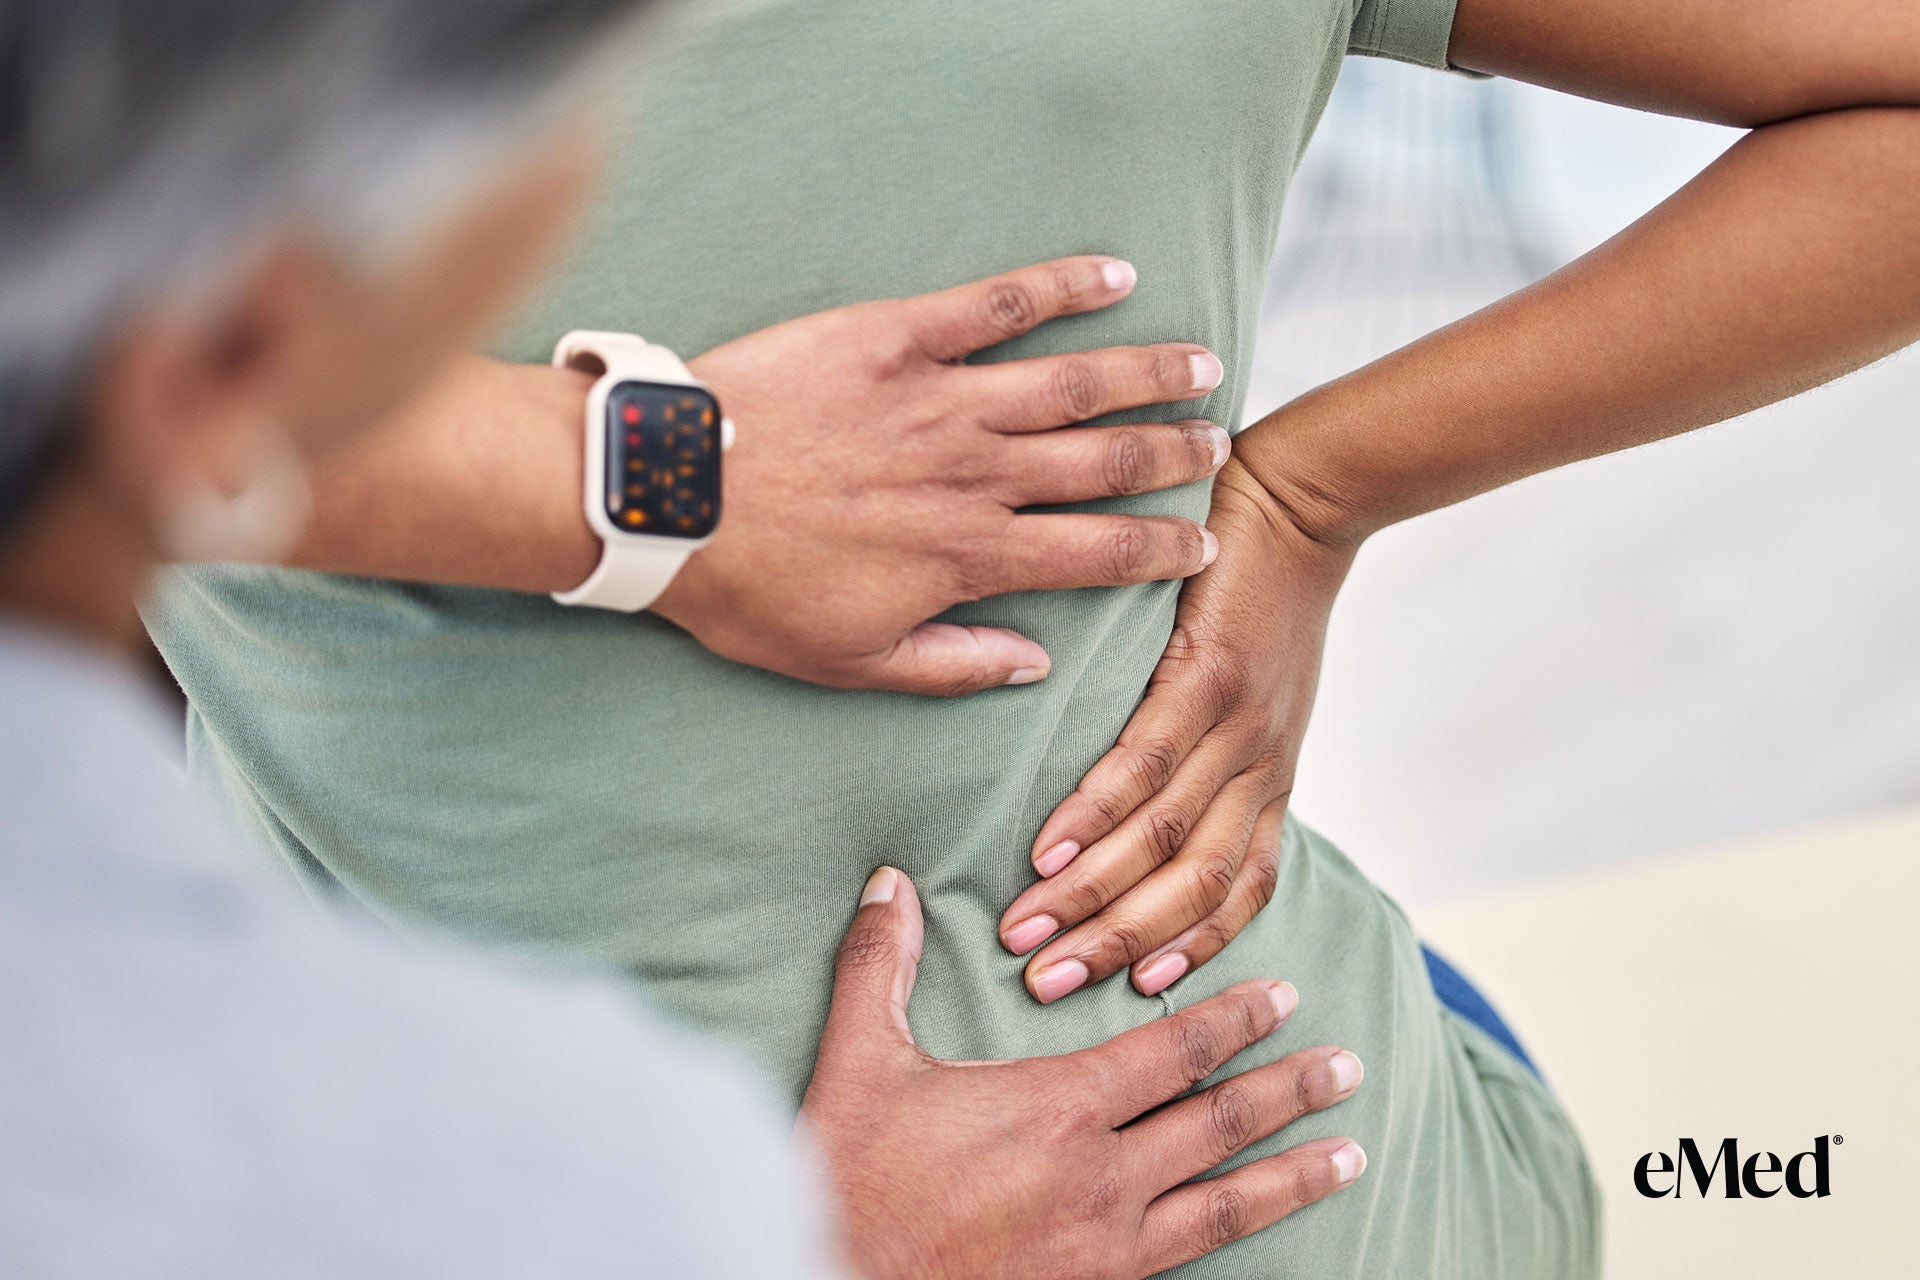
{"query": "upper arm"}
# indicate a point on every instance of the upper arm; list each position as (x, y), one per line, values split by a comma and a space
(1736, 62)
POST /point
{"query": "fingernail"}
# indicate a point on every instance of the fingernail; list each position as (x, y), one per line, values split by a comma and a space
(1160, 974)
(1222, 446)
(1347, 1072)
(1209, 546)
(1349, 1161)
(1057, 857)
(1027, 675)
(880, 886)
(1285, 999)
(1057, 980)
(1029, 934)
(1207, 371)
(1118, 275)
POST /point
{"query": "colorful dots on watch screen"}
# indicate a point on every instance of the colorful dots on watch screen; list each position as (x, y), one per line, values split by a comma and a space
(663, 459)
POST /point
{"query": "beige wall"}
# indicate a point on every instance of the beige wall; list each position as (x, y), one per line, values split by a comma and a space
(1765, 992)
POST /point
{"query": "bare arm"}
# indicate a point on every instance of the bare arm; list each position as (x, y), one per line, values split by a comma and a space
(1790, 261)
(477, 484)
(878, 481)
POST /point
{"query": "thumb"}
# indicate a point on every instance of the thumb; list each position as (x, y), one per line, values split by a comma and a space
(874, 971)
(945, 661)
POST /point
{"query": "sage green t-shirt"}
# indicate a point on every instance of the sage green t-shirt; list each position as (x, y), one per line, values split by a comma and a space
(600, 784)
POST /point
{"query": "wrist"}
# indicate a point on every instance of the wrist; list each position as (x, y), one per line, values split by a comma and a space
(1308, 558)
(696, 595)
(1325, 502)
(543, 458)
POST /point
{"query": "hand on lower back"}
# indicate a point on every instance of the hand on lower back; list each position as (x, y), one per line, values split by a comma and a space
(1076, 1165)
(1171, 844)
(877, 481)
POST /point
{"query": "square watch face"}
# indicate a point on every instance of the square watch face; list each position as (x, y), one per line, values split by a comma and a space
(663, 459)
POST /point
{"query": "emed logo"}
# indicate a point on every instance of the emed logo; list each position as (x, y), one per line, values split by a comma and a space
(1761, 1175)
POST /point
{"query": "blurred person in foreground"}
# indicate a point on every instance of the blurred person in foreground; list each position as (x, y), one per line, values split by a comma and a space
(232, 234)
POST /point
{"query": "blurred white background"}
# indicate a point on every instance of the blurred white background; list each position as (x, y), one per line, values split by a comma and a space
(1700, 640)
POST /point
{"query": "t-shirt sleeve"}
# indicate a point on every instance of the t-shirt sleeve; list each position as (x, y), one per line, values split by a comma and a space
(1414, 31)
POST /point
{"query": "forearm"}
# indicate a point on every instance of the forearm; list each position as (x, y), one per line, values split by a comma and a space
(1788, 262)
(478, 484)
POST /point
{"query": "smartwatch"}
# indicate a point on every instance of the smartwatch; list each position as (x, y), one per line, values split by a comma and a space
(655, 434)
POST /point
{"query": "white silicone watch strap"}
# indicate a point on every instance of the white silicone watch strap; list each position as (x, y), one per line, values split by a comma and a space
(633, 570)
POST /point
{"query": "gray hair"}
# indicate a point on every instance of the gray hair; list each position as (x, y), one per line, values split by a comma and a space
(144, 142)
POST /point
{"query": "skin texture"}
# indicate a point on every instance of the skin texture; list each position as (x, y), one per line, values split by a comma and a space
(1788, 262)
(1052, 1151)
(876, 482)
(1183, 815)
(1073, 1166)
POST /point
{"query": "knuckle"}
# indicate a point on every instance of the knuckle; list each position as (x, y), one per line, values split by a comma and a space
(979, 565)
(867, 950)
(1011, 307)
(1086, 896)
(1069, 288)
(1228, 1215)
(1126, 551)
(1076, 386)
(1255, 1016)
(1126, 462)
(1170, 370)
(1153, 762)
(1100, 1200)
(892, 347)
(1263, 878)
(1231, 1117)
(1199, 440)
(1309, 1086)
(1076, 1116)
(1303, 1188)
(1125, 941)
(1167, 828)
(1108, 807)
(1213, 879)
(1199, 1048)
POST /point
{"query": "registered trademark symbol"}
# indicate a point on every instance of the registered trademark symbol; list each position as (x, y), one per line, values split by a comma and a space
(1838, 1140)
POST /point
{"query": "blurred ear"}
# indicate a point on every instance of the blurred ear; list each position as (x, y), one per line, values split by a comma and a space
(187, 397)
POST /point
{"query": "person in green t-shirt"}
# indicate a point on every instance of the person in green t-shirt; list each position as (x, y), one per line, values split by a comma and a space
(686, 793)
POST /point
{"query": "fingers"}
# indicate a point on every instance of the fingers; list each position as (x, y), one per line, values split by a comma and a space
(1207, 810)
(1075, 464)
(1055, 551)
(1057, 391)
(944, 660)
(1252, 890)
(1151, 909)
(954, 323)
(1198, 1218)
(1184, 1139)
(1144, 1067)
(1170, 720)
(873, 975)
